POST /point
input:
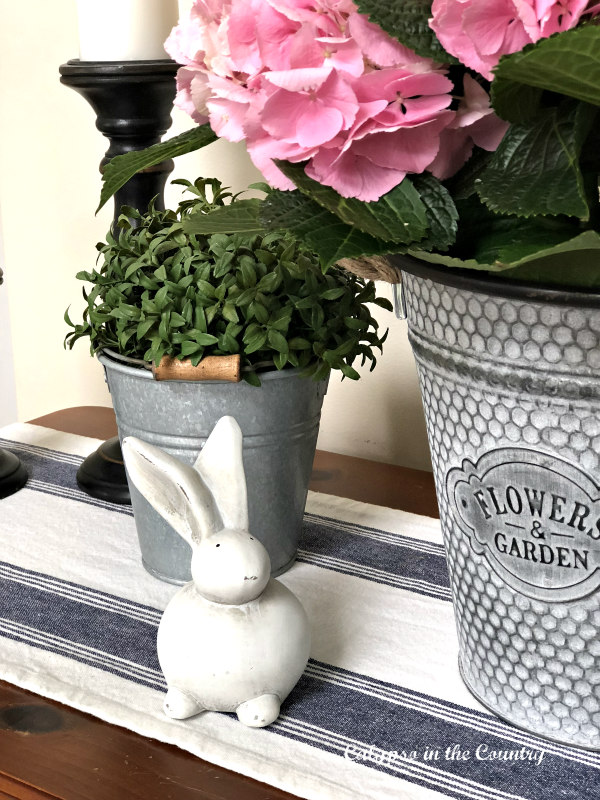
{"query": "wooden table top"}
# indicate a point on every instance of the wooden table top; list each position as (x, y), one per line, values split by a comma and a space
(48, 750)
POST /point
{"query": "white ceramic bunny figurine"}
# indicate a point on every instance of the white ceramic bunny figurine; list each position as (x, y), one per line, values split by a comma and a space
(233, 639)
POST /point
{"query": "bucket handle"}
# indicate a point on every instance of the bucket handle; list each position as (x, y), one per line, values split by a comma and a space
(399, 302)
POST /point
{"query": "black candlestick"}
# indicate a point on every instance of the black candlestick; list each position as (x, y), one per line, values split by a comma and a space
(13, 475)
(133, 102)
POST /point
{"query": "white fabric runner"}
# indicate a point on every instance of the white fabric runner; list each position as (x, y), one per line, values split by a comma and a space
(381, 711)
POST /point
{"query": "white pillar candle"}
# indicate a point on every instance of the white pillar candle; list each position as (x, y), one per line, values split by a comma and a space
(125, 30)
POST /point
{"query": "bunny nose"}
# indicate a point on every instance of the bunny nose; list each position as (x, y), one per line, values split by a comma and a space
(250, 578)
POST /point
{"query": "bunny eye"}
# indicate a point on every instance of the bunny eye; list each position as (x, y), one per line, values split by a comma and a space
(252, 538)
(217, 545)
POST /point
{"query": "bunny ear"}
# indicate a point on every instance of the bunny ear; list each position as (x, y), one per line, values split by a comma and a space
(221, 467)
(173, 488)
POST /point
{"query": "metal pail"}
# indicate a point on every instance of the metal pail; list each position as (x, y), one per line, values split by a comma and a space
(510, 379)
(280, 423)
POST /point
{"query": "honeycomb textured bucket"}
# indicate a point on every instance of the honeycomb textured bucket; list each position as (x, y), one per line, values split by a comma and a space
(511, 391)
(279, 421)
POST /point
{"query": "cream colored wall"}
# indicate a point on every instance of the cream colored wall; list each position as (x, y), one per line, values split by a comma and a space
(49, 186)
(8, 397)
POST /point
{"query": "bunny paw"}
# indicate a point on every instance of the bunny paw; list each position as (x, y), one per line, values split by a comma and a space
(179, 705)
(260, 711)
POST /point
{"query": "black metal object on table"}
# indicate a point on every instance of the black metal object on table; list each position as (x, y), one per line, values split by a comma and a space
(13, 475)
(132, 101)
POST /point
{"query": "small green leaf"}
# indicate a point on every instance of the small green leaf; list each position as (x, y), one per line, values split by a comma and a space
(229, 312)
(333, 294)
(280, 360)
(255, 342)
(248, 272)
(260, 186)
(205, 338)
(281, 320)
(144, 327)
(277, 341)
(356, 324)
(260, 312)
(176, 320)
(190, 349)
(349, 372)
(251, 378)
(205, 288)
(269, 283)
(298, 343)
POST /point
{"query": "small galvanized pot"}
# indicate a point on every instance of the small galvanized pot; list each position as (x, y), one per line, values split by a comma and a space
(510, 378)
(280, 423)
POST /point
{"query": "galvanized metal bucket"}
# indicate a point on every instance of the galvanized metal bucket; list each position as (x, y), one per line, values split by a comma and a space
(510, 378)
(280, 423)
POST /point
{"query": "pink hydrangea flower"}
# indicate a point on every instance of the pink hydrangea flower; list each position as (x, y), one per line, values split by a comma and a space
(479, 32)
(475, 123)
(317, 82)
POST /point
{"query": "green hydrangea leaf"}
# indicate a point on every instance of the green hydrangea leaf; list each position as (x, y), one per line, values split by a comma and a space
(408, 22)
(318, 229)
(239, 217)
(514, 101)
(567, 63)
(572, 262)
(440, 212)
(121, 168)
(399, 216)
(535, 170)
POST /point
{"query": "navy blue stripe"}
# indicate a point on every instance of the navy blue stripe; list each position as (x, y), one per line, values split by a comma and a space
(393, 558)
(56, 491)
(365, 530)
(322, 539)
(357, 572)
(20, 446)
(79, 622)
(93, 595)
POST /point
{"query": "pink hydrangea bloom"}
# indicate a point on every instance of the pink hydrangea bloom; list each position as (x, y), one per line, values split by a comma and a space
(475, 123)
(479, 32)
(314, 81)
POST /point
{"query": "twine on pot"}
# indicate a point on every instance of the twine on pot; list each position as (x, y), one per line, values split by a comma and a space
(372, 268)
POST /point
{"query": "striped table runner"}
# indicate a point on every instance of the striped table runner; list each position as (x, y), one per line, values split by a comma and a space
(380, 711)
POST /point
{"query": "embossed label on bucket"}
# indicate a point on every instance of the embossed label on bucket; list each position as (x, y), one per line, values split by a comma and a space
(535, 517)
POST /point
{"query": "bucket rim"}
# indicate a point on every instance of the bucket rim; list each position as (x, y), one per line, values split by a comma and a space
(135, 367)
(488, 283)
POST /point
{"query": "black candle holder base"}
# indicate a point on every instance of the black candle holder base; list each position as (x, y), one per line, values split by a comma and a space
(102, 474)
(13, 475)
(132, 101)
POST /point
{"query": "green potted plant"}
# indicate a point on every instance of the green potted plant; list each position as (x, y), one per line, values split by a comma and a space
(162, 297)
(460, 136)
